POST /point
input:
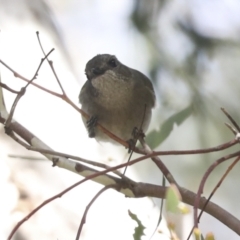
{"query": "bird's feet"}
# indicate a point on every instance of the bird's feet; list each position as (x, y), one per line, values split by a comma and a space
(136, 134)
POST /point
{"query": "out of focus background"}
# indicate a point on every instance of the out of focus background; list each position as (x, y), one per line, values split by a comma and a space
(191, 52)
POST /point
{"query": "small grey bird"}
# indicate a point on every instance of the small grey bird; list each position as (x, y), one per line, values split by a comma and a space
(117, 97)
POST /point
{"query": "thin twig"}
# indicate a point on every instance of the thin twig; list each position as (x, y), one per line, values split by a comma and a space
(197, 151)
(83, 220)
(219, 184)
(231, 119)
(203, 181)
(51, 65)
(10, 116)
(233, 130)
(3, 85)
(23, 90)
(214, 190)
(65, 191)
(148, 151)
(43, 204)
(17, 75)
(66, 99)
(135, 138)
(60, 154)
(130, 163)
(183, 192)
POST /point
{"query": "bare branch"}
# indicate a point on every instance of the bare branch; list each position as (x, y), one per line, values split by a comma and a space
(3, 85)
(203, 181)
(123, 184)
(139, 190)
(88, 207)
(214, 190)
(50, 64)
(231, 119)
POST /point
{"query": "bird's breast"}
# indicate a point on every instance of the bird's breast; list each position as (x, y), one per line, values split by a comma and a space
(113, 90)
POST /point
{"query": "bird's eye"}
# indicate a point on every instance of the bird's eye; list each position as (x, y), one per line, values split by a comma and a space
(112, 62)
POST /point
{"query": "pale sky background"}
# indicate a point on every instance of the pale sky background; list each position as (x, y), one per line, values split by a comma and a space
(90, 27)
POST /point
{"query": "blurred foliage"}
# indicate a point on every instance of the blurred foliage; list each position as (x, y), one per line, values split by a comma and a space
(156, 137)
(189, 65)
(139, 230)
(173, 199)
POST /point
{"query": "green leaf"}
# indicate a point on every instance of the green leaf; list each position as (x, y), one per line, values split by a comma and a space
(156, 137)
(139, 229)
(173, 199)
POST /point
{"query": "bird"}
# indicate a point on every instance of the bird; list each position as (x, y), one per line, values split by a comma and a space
(119, 98)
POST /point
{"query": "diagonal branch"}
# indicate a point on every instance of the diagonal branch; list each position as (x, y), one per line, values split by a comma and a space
(113, 186)
(204, 179)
